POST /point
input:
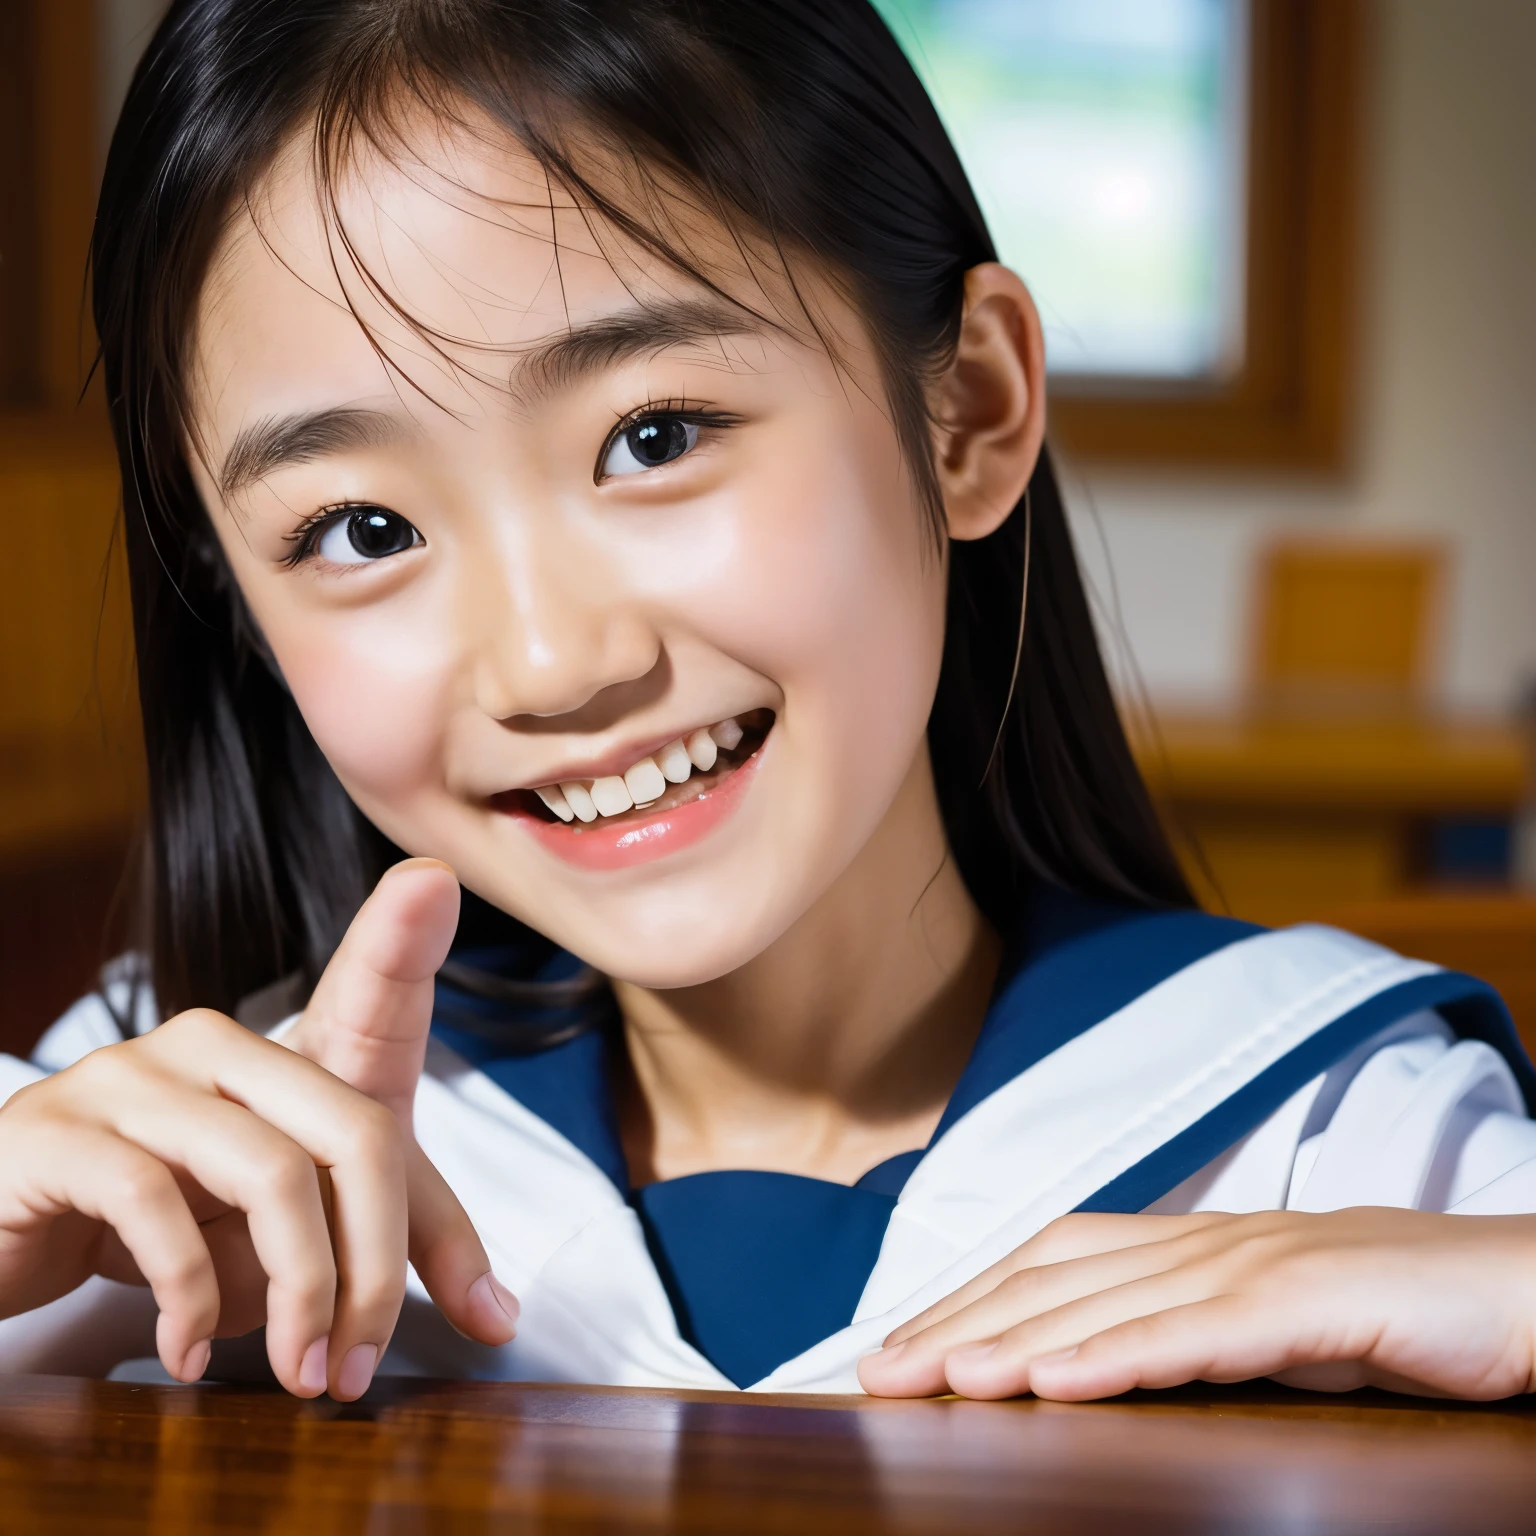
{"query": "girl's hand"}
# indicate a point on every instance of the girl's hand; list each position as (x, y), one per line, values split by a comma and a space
(1095, 1305)
(245, 1184)
(219, 1169)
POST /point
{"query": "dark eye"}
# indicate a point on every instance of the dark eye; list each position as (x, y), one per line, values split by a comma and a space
(648, 443)
(369, 533)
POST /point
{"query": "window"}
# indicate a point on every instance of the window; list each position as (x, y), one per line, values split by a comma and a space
(1174, 180)
(1105, 139)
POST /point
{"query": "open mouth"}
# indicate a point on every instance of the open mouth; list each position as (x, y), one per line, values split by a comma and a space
(686, 769)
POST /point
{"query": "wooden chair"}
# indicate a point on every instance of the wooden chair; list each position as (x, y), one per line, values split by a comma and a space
(1491, 936)
(1345, 625)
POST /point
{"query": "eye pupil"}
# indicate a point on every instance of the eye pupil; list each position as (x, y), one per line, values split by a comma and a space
(377, 533)
(659, 440)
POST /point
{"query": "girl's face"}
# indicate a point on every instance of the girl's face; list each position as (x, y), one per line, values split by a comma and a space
(617, 600)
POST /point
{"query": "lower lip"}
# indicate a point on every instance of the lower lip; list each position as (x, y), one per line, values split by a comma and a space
(591, 845)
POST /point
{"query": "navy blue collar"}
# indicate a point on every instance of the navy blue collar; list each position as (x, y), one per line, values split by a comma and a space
(760, 1266)
(569, 1085)
(1071, 963)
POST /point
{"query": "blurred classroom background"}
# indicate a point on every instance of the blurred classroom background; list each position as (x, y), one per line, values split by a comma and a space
(1283, 250)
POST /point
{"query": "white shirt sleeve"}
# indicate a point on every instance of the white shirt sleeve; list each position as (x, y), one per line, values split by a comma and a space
(1413, 1118)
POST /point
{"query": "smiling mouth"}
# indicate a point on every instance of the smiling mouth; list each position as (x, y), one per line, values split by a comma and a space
(684, 770)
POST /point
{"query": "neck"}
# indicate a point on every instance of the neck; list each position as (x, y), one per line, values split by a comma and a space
(839, 1045)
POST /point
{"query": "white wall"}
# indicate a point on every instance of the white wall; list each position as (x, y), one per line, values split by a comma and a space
(1447, 441)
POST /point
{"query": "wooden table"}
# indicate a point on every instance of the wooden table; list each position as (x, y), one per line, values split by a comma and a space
(103, 1457)
(1295, 814)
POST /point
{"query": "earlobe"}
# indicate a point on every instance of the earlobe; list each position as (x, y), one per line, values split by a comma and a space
(990, 405)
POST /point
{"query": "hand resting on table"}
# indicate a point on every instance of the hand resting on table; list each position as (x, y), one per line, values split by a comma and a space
(1095, 1305)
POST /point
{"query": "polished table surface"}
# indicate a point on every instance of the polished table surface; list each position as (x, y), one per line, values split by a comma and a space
(434, 1457)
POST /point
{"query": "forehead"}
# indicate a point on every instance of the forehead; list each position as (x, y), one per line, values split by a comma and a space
(446, 253)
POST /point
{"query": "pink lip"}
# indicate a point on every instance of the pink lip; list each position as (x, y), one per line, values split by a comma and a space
(639, 840)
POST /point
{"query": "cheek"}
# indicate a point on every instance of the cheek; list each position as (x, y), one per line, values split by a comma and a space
(834, 591)
(372, 686)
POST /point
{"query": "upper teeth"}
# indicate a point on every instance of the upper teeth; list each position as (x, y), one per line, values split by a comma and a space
(642, 782)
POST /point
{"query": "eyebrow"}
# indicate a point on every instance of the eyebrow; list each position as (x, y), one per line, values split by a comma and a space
(304, 437)
(539, 371)
(647, 328)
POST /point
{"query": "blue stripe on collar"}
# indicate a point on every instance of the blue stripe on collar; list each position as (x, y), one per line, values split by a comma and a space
(1471, 1007)
(1073, 985)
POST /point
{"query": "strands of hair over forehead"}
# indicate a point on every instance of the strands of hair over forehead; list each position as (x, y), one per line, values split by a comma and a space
(795, 126)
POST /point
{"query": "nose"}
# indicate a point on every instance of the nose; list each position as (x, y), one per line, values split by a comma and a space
(550, 638)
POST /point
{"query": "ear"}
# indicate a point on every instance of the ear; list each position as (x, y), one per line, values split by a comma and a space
(989, 407)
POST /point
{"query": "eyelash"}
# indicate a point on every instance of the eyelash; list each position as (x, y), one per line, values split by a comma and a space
(306, 537)
(673, 410)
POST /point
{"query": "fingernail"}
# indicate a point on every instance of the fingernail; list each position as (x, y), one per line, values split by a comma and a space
(506, 1300)
(357, 1370)
(312, 1366)
(196, 1362)
(489, 1290)
(891, 1351)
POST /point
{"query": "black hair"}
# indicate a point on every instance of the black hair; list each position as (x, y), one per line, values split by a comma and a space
(797, 124)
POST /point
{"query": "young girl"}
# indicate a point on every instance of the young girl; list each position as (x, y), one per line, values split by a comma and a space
(591, 447)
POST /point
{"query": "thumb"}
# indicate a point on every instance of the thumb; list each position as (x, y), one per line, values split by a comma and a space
(367, 1022)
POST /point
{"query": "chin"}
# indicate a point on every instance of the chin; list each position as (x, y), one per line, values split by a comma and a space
(669, 947)
(692, 965)
(679, 932)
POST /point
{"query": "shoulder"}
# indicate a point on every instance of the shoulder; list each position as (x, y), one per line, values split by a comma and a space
(1148, 988)
(1415, 1117)
(1229, 1033)
(1333, 993)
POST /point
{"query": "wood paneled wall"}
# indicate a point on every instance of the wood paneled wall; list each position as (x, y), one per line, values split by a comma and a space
(71, 778)
(69, 755)
(71, 775)
(48, 115)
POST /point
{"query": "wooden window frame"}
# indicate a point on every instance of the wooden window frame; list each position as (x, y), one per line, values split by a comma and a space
(1291, 402)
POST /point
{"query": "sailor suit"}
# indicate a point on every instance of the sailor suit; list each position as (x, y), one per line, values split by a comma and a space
(1130, 1061)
